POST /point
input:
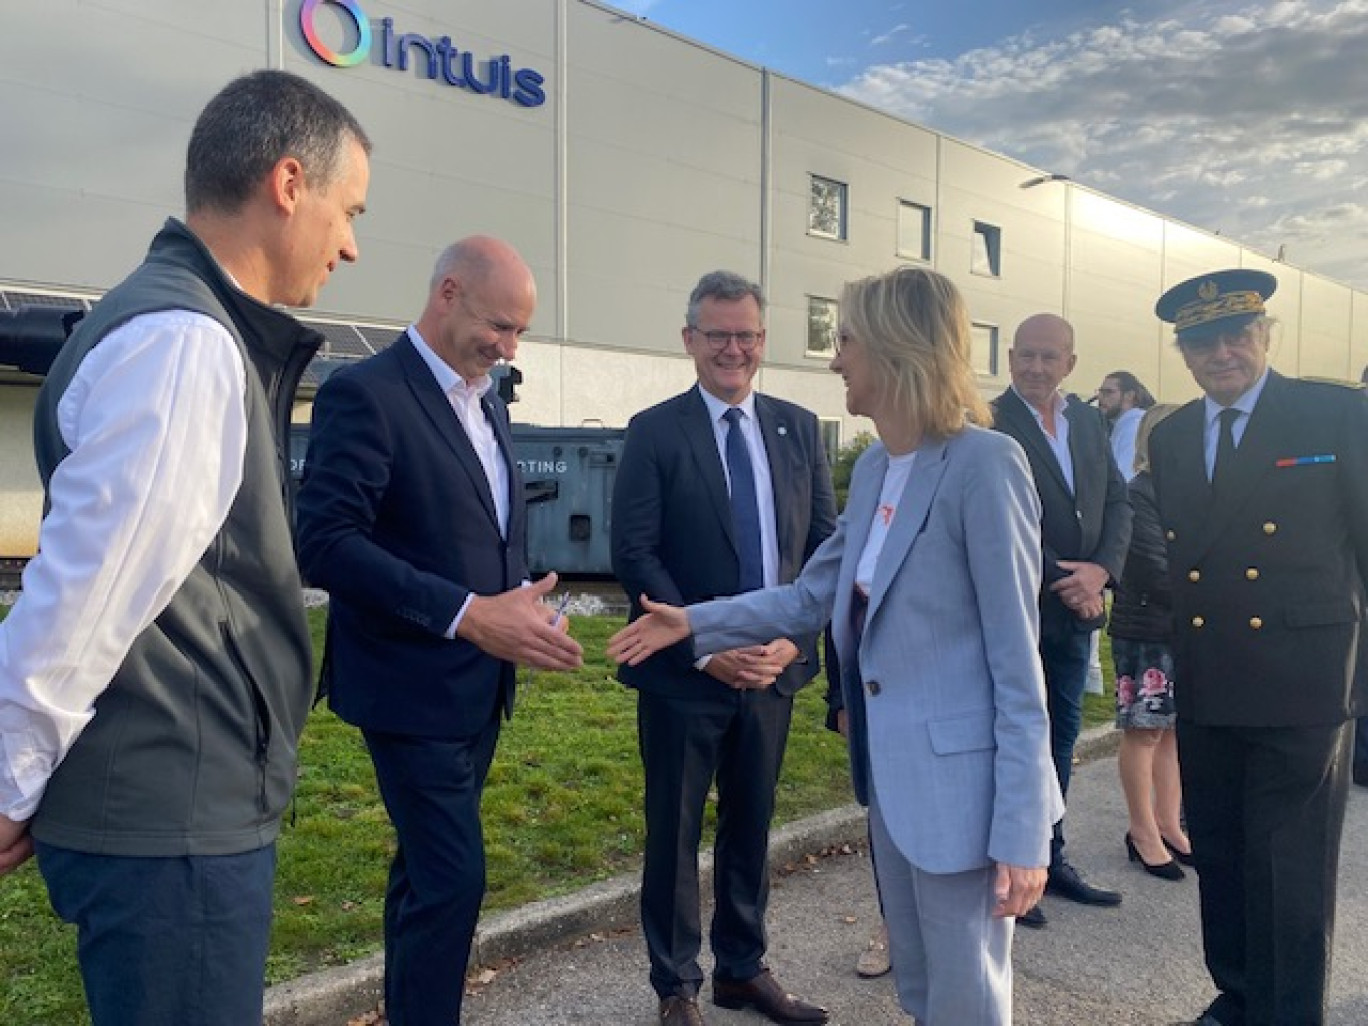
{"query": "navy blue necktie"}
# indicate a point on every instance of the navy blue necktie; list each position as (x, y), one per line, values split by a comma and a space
(1225, 448)
(745, 508)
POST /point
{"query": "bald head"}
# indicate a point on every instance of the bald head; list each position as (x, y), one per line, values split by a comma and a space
(480, 304)
(1041, 357)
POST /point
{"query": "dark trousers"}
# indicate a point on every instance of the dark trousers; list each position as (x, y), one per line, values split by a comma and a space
(1265, 811)
(431, 790)
(1064, 656)
(739, 738)
(177, 941)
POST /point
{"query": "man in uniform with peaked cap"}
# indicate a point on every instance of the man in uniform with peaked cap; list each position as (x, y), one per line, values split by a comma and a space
(1262, 487)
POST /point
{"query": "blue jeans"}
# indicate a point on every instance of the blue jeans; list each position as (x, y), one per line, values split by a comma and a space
(1065, 658)
(175, 941)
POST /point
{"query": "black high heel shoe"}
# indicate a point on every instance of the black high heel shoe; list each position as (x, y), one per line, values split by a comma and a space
(1169, 870)
(1185, 857)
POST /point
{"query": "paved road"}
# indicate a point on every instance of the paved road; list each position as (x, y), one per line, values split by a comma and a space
(1139, 964)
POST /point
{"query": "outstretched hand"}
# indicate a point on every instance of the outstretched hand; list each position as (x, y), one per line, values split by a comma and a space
(519, 627)
(660, 627)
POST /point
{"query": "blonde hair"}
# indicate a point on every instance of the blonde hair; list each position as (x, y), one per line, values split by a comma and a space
(1142, 434)
(914, 326)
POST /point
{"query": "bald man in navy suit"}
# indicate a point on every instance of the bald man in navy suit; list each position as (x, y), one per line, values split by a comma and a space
(411, 515)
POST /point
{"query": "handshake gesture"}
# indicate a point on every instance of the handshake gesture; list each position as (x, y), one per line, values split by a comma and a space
(663, 625)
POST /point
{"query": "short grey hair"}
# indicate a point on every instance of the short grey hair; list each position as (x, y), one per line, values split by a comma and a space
(253, 123)
(724, 285)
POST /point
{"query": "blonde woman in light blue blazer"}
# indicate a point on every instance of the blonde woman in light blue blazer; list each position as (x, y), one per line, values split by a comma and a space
(930, 582)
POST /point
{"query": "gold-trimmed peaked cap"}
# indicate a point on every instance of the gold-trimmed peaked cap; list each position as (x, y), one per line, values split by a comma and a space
(1215, 303)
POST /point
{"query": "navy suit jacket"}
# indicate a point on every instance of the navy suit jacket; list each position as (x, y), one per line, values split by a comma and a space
(1091, 523)
(672, 522)
(1268, 575)
(397, 523)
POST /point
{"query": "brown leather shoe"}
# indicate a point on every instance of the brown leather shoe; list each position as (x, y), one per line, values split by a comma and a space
(680, 1011)
(764, 994)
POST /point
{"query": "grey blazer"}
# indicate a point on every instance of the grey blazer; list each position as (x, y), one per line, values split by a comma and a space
(947, 709)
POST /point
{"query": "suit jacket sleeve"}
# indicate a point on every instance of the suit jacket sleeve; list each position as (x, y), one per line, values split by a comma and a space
(1002, 542)
(638, 513)
(351, 452)
(821, 524)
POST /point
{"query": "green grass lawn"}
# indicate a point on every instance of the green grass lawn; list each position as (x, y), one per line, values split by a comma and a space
(562, 808)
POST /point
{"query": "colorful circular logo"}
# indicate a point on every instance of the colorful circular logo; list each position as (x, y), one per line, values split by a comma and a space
(363, 32)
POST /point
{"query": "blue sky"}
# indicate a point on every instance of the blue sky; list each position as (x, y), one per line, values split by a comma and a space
(1248, 118)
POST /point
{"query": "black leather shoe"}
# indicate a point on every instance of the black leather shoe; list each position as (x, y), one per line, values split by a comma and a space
(1034, 917)
(1066, 882)
(764, 994)
(1185, 857)
(680, 1011)
(1169, 870)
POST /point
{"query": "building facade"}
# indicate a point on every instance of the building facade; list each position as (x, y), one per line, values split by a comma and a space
(622, 160)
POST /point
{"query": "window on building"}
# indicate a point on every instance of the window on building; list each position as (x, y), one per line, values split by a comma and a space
(987, 256)
(984, 355)
(831, 438)
(914, 230)
(827, 208)
(823, 316)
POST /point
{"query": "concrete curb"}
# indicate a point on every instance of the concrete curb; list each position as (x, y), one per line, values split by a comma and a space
(332, 996)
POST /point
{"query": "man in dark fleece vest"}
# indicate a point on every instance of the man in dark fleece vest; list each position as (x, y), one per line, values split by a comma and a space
(155, 674)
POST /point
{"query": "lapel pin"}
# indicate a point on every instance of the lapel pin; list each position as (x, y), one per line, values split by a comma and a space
(782, 430)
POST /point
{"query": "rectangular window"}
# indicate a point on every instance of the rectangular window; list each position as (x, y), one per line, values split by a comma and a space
(987, 256)
(831, 438)
(823, 316)
(914, 231)
(827, 208)
(985, 349)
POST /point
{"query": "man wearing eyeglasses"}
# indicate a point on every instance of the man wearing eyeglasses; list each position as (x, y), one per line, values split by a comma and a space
(719, 491)
(411, 515)
(1262, 488)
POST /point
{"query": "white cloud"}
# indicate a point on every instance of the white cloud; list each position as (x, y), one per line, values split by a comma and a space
(1250, 119)
(890, 35)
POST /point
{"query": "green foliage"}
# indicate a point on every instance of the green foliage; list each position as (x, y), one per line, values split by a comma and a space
(845, 464)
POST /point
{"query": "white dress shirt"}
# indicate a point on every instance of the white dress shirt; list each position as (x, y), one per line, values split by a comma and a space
(465, 399)
(1211, 436)
(156, 422)
(1059, 441)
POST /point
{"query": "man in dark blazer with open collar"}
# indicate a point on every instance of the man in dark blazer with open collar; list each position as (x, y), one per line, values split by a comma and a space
(1085, 531)
(676, 538)
(411, 516)
(1262, 488)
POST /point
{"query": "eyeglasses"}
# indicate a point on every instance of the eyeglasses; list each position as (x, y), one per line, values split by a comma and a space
(746, 341)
